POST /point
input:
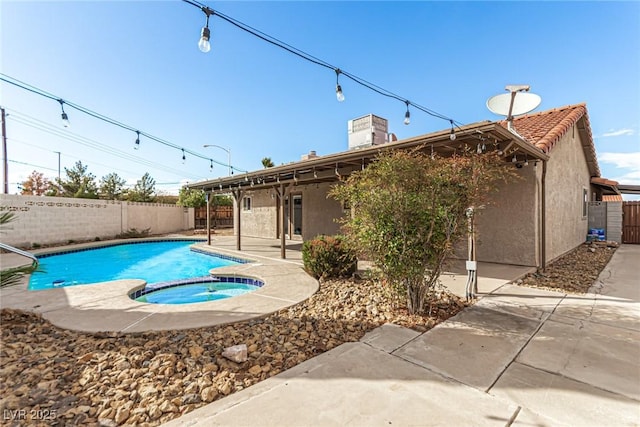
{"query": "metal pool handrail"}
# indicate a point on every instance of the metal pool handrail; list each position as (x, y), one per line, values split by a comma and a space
(31, 256)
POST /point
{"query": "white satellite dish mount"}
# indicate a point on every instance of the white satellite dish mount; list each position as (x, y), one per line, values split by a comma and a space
(510, 105)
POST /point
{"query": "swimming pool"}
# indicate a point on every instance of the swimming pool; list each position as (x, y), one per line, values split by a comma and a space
(152, 261)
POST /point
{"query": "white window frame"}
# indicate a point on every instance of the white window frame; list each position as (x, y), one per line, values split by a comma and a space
(246, 204)
(585, 202)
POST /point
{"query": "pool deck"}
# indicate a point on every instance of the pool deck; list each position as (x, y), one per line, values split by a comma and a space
(106, 307)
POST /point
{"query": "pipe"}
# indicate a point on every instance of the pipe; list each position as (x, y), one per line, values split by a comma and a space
(543, 226)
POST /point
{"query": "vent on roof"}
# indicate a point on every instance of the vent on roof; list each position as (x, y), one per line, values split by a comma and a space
(367, 131)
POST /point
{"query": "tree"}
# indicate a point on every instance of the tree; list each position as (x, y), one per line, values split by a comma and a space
(112, 186)
(35, 185)
(191, 197)
(144, 189)
(166, 198)
(79, 183)
(409, 211)
(267, 162)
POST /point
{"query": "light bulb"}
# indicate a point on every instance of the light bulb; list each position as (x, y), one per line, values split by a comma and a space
(339, 94)
(184, 158)
(514, 159)
(136, 145)
(204, 45)
(65, 120)
(407, 117)
(452, 135)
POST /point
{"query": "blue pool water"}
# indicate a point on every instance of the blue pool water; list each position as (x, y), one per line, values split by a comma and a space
(151, 261)
(196, 292)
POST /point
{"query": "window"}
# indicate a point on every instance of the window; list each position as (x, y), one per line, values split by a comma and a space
(246, 204)
(585, 202)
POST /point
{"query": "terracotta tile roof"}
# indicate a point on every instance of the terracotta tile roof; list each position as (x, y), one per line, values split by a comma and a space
(546, 128)
(612, 198)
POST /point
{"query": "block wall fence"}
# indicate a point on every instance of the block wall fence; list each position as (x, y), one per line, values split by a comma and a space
(52, 220)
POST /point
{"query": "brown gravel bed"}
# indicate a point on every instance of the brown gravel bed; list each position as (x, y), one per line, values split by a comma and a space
(53, 376)
(574, 272)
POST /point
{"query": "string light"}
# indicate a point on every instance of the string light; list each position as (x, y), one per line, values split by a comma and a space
(184, 158)
(339, 94)
(310, 58)
(204, 44)
(526, 161)
(452, 136)
(136, 145)
(514, 159)
(211, 165)
(65, 118)
(22, 85)
(407, 115)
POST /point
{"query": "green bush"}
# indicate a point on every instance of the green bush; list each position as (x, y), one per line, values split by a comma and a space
(328, 256)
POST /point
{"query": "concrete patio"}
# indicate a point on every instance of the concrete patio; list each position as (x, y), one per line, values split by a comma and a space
(518, 357)
(107, 306)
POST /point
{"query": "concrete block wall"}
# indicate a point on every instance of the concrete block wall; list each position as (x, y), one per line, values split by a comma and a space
(614, 221)
(56, 220)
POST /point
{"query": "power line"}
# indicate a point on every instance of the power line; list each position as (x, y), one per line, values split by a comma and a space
(42, 126)
(317, 61)
(30, 88)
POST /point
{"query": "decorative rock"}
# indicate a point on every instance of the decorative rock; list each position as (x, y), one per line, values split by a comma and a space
(167, 406)
(236, 353)
(154, 412)
(121, 415)
(209, 394)
(106, 422)
(196, 351)
(255, 370)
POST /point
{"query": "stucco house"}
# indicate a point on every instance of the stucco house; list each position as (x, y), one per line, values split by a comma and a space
(532, 221)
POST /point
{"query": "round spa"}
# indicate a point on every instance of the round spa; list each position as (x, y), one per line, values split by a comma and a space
(198, 290)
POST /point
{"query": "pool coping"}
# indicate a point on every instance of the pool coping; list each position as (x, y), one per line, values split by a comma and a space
(107, 307)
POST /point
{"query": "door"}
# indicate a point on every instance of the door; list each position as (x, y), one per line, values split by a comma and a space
(631, 222)
(296, 214)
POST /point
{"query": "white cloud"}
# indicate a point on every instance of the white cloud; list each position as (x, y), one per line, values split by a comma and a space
(619, 132)
(622, 160)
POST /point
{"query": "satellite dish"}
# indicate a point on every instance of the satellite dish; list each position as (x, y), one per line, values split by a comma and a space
(523, 102)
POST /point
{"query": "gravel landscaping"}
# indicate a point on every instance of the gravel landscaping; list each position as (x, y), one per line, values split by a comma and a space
(52, 376)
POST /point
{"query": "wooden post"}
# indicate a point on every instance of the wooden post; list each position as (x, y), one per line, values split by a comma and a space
(208, 196)
(237, 196)
(282, 193)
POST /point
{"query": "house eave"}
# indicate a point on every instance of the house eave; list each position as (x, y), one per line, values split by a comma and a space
(331, 167)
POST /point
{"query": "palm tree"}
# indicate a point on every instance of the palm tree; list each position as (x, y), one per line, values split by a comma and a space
(267, 162)
(13, 276)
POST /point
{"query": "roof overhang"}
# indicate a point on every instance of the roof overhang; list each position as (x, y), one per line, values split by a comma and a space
(331, 167)
(606, 185)
(629, 189)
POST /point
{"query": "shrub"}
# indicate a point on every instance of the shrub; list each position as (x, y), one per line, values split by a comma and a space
(329, 256)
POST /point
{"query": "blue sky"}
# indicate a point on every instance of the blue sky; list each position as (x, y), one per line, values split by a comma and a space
(138, 63)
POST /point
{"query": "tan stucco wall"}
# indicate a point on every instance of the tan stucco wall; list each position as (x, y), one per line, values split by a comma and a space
(50, 220)
(261, 220)
(567, 175)
(318, 212)
(506, 227)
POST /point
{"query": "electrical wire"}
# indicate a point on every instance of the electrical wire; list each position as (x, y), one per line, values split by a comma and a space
(26, 86)
(310, 58)
(42, 126)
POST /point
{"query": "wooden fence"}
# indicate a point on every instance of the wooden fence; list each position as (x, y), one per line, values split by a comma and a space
(631, 222)
(221, 217)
